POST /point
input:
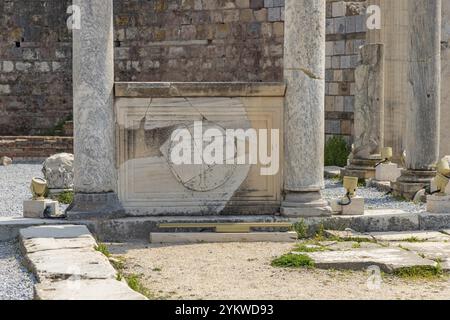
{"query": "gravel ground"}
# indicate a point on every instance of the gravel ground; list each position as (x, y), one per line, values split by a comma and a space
(16, 283)
(374, 199)
(15, 187)
(242, 271)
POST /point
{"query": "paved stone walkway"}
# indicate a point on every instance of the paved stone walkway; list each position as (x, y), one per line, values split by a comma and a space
(391, 251)
(67, 266)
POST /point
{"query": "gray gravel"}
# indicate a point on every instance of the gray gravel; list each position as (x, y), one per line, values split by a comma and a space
(374, 199)
(15, 187)
(16, 283)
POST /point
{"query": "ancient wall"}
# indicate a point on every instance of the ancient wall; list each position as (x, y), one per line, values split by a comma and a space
(34, 147)
(163, 40)
(346, 32)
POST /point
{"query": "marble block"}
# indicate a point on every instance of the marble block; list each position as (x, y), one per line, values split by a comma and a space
(387, 172)
(356, 208)
(438, 204)
(36, 208)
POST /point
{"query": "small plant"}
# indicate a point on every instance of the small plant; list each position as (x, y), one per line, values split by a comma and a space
(65, 197)
(304, 248)
(336, 152)
(320, 233)
(420, 272)
(134, 282)
(291, 260)
(356, 245)
(414, 240)
(103, 248)
(301, 229)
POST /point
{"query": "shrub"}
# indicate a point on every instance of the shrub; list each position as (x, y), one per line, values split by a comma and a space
(65, 197)
(336, 152)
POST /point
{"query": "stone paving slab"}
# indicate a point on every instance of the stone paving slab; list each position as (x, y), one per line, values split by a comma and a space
(351, 245)
(55, 231)
(388, 259)
(67, 266)
(410, 235)
(86, 290)
(66, 263)
(349, 234)
(446, 231)
(43, 244)
(430, 250)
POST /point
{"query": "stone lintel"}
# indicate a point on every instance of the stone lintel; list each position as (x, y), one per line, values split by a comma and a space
(199, 89)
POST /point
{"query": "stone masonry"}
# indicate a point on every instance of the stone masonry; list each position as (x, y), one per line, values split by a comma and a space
(164, 40)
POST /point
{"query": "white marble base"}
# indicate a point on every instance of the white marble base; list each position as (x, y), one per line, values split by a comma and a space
(387, 172)
(438, 204)
(36, 208)
(355, 208)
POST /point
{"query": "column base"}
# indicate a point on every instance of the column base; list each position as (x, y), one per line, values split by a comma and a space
(305, 204)
(87, 206)
(410, 182)
(361, 168)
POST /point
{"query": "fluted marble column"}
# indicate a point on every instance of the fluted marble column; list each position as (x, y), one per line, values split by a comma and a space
(304, 73)
(95, 180)
(423, 112)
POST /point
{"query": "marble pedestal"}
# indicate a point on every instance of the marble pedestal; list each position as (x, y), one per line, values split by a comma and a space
(95, 206)
(387, 172)
(361, 168)
(438, 204)
(410, 182)
(305, 204)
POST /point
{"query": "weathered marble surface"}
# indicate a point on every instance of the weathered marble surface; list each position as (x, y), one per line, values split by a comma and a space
(422, 118)
(395, 25)
(150, 184)
(445, 80)
(58, 171)
(93, 82)
(369, 102)
(304, 73)
(304, 68)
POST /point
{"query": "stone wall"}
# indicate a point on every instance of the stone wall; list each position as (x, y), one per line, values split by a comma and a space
(163, 40)
(193, 40)
(35, 66)
(346, 32)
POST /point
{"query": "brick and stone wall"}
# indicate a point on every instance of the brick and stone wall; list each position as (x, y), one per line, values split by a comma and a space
(34, 147)
(164, 40)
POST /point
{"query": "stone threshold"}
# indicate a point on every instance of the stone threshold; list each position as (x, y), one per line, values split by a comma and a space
(199, 89)
(67, 266)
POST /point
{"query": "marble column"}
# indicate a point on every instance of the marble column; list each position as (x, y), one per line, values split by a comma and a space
(369, 112)
(304, 73)
(445, 81)
(395, 26)
(95, 180)
(423, 80)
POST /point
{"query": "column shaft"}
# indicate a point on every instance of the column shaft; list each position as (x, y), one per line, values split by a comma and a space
(423, 84)
(95, 179)
(304, 73)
